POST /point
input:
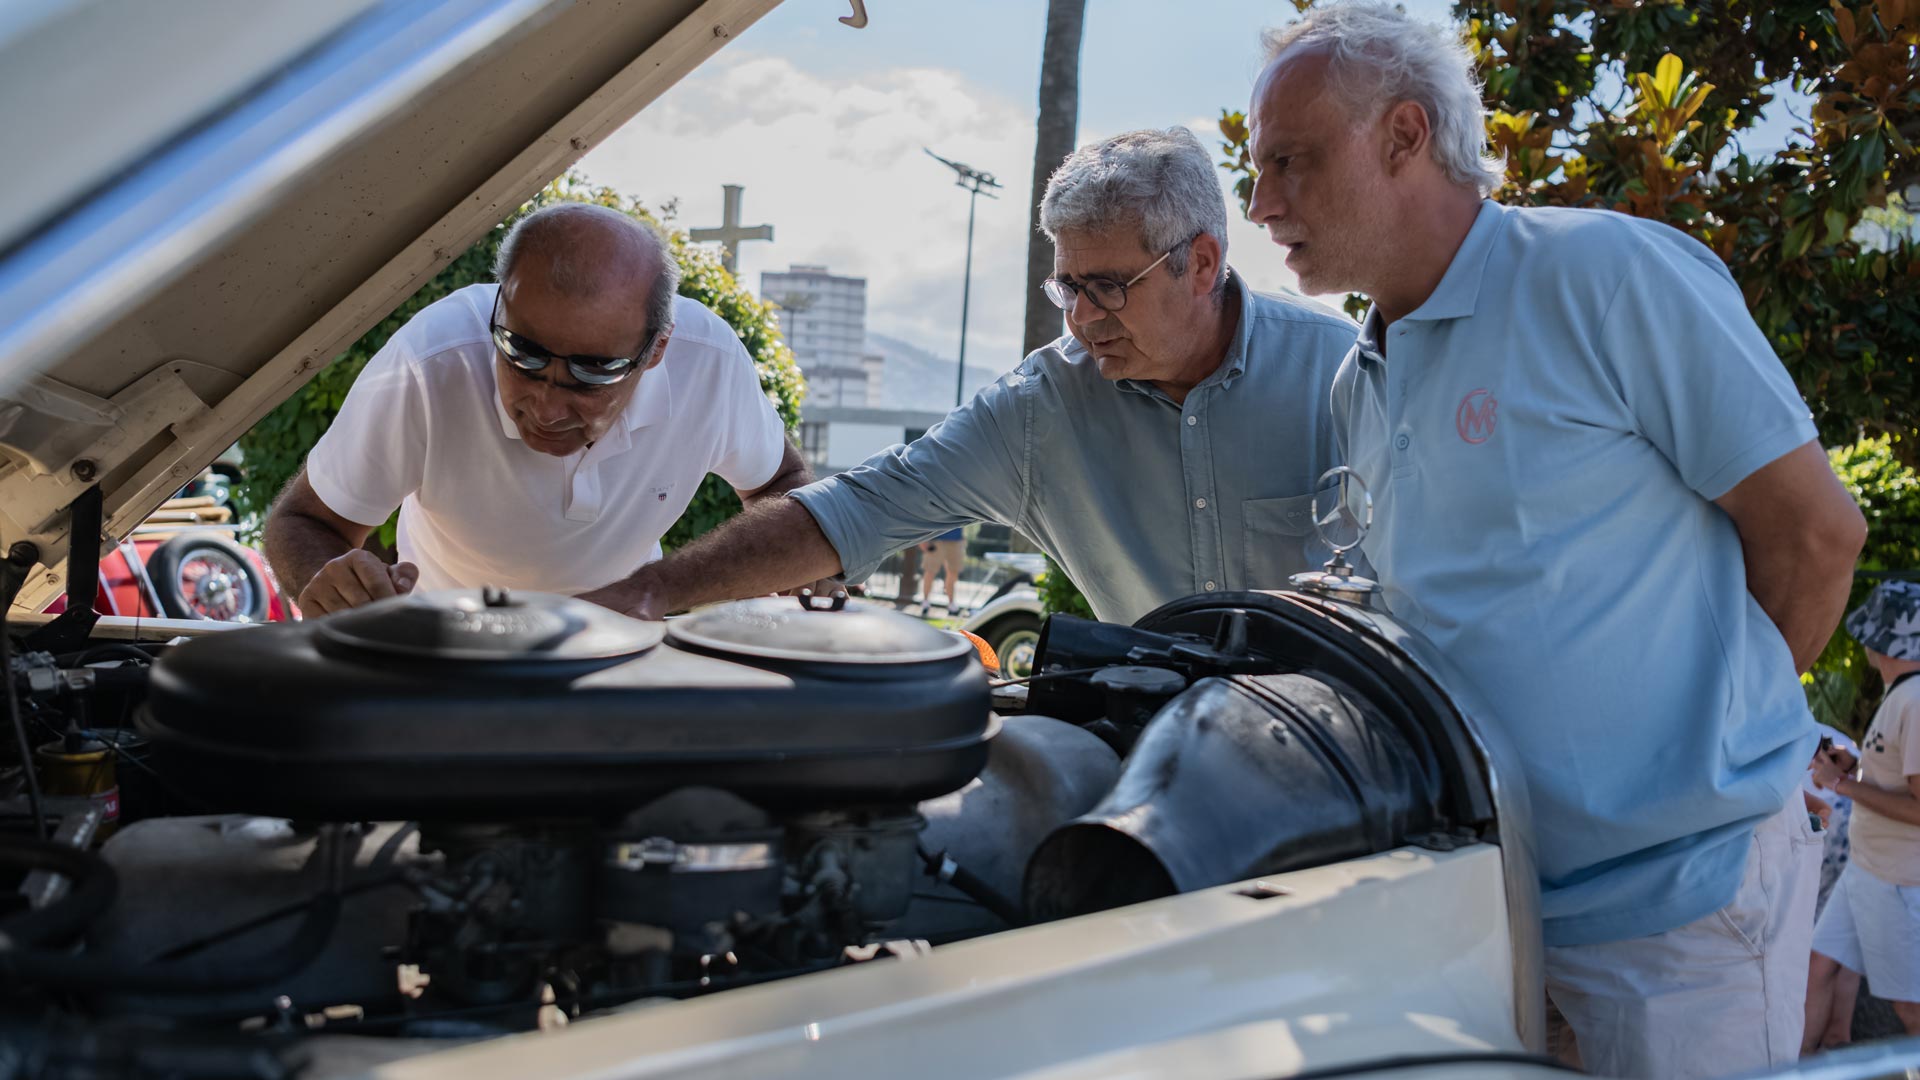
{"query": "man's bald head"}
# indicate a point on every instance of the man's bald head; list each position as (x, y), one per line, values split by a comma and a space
(587, 252)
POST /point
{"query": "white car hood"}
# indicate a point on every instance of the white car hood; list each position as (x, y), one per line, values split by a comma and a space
(208, 199)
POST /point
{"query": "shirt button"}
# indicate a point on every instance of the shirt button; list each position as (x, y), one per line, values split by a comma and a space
(1402, 442)
(1210, 586)
(1199, 504)
(1192, 420)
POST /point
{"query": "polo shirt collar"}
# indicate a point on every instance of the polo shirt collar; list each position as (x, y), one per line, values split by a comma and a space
(1234, 364)
(1459, 289)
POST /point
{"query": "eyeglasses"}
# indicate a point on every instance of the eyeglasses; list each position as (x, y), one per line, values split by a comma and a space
(1106, 295)
(529, 357)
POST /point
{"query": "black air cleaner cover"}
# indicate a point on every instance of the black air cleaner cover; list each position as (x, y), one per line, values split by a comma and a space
(445, 706)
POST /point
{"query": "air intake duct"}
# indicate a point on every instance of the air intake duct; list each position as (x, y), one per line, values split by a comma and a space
(1240, 776)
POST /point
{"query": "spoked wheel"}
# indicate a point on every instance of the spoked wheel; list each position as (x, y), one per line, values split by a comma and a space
(1015, 639)
(207, 577)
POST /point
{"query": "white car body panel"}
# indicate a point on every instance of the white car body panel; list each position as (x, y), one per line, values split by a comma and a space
(1434, 975)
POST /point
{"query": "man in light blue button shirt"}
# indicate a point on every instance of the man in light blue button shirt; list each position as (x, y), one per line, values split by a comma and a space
(1169, 445)
(1599, 493)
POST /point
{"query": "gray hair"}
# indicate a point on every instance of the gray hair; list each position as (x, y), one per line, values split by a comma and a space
(1377, 54)
(581, 263)
(1161, 181)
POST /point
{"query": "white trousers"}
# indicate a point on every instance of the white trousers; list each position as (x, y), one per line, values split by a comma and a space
(1723, 994)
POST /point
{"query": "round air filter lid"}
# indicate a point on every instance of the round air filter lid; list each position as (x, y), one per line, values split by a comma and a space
(488, 625)
(778, 628)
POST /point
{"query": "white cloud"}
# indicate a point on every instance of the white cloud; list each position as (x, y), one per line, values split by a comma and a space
(836, 166)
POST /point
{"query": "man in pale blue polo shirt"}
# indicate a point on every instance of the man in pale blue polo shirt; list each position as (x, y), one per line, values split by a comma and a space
(1168, 445)
(1599, 493)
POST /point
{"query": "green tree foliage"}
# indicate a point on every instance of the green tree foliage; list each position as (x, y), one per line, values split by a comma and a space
(1059, 593)
(1842, 688)
(278, 445)
(1642, 108)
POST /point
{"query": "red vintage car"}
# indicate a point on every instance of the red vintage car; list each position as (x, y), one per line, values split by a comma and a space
(184, 563)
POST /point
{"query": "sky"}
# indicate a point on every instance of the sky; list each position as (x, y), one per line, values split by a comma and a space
(824, 126)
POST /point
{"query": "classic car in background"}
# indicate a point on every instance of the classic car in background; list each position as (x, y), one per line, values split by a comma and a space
(186, 562)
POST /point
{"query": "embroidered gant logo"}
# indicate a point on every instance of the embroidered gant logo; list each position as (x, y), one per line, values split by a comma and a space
(1475, 418)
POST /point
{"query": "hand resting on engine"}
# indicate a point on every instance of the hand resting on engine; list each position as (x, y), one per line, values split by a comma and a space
(355, 579)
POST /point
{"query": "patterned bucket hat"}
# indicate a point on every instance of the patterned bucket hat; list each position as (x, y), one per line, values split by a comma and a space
(1889, 621)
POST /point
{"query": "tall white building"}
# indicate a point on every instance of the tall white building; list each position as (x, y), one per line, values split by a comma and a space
(824, 318)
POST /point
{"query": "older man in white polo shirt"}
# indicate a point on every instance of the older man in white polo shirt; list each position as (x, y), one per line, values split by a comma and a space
(1599, 493)
(540, 434)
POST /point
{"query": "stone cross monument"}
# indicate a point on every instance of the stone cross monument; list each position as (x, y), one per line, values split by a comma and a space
(730, 232)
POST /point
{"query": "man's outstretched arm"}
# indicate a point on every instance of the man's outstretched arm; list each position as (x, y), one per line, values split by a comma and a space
(791, 473)
(316, 555)
(773, 545)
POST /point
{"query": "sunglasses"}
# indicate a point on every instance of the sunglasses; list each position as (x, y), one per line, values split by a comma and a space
(529, 357)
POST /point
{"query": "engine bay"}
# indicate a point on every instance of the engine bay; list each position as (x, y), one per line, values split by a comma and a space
(458, 815)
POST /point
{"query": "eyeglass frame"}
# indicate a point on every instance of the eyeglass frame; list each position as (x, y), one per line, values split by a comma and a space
(515, 346)
(1075, 290)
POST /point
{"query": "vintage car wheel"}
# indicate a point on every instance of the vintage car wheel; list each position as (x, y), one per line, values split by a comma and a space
(1015, 638)
(202, 576)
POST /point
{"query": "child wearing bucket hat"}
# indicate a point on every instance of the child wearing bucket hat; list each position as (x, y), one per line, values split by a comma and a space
(1871, 923)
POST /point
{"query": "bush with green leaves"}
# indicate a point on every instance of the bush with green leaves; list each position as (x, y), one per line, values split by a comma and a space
(1842, 688)
(277, 446)
(1058, 593)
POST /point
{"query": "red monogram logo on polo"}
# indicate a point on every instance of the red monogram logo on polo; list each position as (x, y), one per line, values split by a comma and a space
(1475, 418)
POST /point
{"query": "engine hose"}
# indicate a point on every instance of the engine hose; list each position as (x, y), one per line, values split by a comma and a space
(62, 971)
(943, 869)
(110, 651)
(90, 891)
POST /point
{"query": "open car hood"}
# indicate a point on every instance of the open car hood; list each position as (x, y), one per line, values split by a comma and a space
(208, 199)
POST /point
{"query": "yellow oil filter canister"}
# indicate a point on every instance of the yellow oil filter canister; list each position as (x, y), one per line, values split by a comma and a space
(78, 766)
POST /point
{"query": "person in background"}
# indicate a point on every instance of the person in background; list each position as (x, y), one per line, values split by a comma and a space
(946, 554)
(1831, 989)
(1871, 924)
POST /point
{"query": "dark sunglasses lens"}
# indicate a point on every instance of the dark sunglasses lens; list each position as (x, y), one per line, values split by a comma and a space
(600, 373)
(516, 351)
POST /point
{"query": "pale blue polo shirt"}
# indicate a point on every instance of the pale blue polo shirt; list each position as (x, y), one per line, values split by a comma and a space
(1543, 438)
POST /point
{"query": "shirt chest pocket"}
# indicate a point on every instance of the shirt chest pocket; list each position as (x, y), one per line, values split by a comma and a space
(1279, 540)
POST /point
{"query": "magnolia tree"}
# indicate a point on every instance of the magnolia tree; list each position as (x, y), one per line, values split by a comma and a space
(1650, 109)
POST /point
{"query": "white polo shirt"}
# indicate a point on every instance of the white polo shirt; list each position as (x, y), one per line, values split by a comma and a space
(424, 429)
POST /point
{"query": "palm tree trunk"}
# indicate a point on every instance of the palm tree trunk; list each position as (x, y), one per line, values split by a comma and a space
(1059, 119)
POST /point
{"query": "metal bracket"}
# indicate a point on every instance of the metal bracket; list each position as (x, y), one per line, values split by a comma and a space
(857, 20)
(70, 629)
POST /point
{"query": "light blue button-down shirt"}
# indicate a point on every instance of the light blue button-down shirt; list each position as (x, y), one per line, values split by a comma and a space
(1543, 438)
(1142, 500)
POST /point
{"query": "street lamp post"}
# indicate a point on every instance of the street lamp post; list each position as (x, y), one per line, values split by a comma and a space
(975, 182)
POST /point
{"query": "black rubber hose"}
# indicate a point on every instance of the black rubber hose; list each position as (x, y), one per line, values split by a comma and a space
(20, 730)
(90, 891)
(112, 651)
(944, 869)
